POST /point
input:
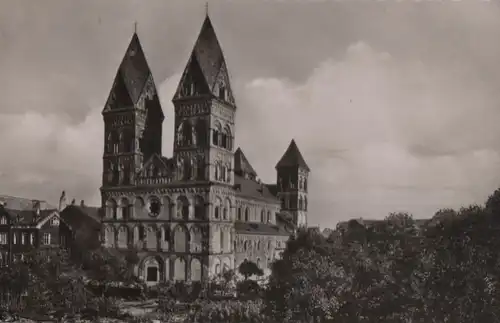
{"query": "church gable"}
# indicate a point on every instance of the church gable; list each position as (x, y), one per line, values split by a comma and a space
(222, 85)
(155, 168)
(192, 82)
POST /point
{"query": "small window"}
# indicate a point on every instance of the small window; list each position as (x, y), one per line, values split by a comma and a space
(154, 207)
(3, 220)
(3, 238)
(54, 222)
(47, 238)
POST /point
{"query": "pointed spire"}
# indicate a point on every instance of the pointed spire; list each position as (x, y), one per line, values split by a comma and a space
(207, 56)
(292, 158)
(206, 9)
(131, 77)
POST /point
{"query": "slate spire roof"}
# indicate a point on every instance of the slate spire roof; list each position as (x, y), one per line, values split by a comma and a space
(242, 165)
(206, 62)
(292, 158)
(131, 77)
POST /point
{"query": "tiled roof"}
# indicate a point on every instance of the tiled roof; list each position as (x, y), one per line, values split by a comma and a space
(292, 157)
(252, 189)
(28, 217)
(78, 216)
(260, 228)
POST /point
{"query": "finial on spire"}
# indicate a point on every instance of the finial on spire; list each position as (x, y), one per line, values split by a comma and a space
(206, 8)
(135, 27)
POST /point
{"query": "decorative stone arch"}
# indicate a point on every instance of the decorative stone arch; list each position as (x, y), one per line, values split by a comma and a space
(139, 207)
(138, 233)
(201, 132)
(200, 168)
(227, 212)
(184, 134)
(181, 238)
(216, 133)
(125, 209)
(217, 208)
(151, 235)
(180, 269)
(153, 269)
(226, 138)
(167, 207)
(200, 212)
(111, 209)
(122, 237)
(182, 211)
(195, 269)
(165, 237)
(240, 213)
(196, 241)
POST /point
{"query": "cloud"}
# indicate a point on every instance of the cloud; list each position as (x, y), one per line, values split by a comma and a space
(380, 133)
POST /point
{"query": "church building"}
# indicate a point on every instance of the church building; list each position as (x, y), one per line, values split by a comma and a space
(203, 210)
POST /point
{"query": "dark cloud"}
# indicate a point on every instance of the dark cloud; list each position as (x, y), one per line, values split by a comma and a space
(393, 103)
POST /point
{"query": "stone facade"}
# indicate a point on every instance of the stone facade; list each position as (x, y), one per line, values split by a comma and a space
(202, 211)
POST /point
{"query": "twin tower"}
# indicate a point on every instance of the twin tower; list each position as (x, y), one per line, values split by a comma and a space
(207, 190)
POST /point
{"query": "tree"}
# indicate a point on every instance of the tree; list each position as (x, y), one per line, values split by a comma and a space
(249, 269)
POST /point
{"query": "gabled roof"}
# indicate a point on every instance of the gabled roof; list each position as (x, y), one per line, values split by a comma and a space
(242, 165)
(157, 165)
(249, 188)
(132, 78)
(206, 64)
(292, 158)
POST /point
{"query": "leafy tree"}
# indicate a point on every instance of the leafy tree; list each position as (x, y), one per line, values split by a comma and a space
(249, 268)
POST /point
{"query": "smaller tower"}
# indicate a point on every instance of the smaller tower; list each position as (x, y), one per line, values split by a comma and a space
(292, 182)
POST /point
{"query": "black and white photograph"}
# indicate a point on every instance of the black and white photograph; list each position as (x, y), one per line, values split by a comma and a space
(250, 161)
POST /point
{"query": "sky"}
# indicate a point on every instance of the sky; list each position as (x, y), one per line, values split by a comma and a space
(395, 104)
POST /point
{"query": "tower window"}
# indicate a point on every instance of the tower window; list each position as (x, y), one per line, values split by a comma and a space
(222, 93)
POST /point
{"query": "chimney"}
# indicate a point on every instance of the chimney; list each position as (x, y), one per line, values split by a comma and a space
(62, 201)
(82, 203)
(73, 202)
(36, 207)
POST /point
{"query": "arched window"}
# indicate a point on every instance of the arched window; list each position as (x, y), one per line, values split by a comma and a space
(199, 208)
(201, 132)
(262, 216)
(200, 169)
(188, 169)
(181, 239)
(125, 208)
(305, 203)
(182, 208)
(239, 213)
(3, 220)
(216, 134)
(247, 214)
(300, 203)
(268, 216)
(111, 209)
(305, 184)
(226, 138)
